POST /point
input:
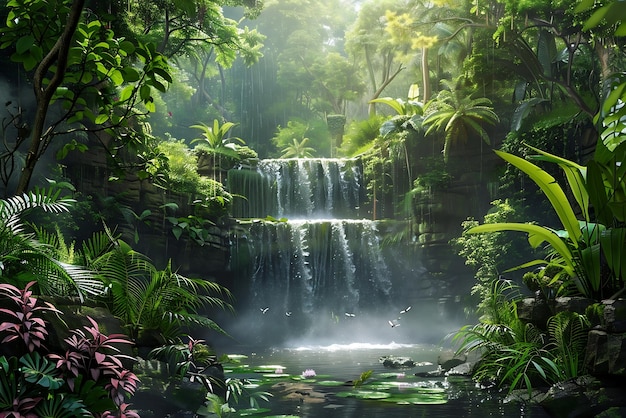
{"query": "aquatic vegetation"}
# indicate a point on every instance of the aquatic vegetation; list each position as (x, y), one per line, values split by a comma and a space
(308, 373)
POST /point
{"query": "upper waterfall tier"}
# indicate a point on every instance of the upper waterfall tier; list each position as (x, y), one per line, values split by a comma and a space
(298, 188)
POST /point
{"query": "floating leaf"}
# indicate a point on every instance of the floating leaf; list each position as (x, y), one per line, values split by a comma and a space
(364, 394)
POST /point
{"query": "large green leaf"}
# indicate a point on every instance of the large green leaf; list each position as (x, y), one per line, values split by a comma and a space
(576, 177)
(536, 235)
(553, 192)
(613, 242)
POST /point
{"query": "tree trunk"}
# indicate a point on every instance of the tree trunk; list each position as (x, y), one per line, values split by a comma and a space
(56, 56)
(425, 75)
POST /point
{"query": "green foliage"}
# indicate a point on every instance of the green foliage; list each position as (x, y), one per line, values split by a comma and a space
(86, 379)
(24, 257)
(148, 300)
(181, 168)
(362, 378)
(298, 149)
(577, 250)
(401, 107)
(519, 355)
(360, 135)
(236, 391)
(314, 131)
(98, 79)
(490, 255)
(458, 117)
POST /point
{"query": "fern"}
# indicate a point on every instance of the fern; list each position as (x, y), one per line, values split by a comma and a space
(568, 331)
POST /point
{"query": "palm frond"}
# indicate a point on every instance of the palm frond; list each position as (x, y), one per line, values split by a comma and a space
(47, 199)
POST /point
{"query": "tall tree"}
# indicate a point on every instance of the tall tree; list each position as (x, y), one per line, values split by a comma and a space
(72, 58)
(369, 43)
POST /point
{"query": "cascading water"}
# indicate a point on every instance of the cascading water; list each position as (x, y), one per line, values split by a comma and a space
(310, 258)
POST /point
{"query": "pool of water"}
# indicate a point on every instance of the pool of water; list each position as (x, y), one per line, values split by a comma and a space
(330, 392)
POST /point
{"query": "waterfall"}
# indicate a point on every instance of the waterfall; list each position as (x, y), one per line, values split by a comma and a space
(298, 188)
(303, 251)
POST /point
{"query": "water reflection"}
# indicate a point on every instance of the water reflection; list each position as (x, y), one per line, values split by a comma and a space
(343, 363)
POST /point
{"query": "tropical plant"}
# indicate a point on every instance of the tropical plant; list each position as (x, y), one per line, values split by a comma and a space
(24, 257)
(518, 354)
(236, 392)
(188, 361)
(147, 300)
(582, 247)
(458, 117)
(217, 143)
(490, 255)
(86, 379)
(298, 149)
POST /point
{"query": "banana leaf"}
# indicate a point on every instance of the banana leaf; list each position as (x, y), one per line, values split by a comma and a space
(590, 262)
(613, 242)
(576, 178)
(536, 235)
(553, 192)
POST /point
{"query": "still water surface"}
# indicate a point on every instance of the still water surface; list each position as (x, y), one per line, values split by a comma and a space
(345, 362)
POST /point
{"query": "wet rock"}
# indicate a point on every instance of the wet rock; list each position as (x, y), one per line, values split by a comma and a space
(606, 353)
(397, 362)
(464, 369)
(534, 310)
(585, 396)
(448, 359)
(615, 315)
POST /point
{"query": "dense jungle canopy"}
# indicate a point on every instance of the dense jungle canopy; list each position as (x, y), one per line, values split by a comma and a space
(139, 71)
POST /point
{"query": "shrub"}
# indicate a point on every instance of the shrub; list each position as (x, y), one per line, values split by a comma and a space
(87, 379)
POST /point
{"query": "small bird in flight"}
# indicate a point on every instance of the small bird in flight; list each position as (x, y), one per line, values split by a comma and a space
(288, 313)
(349, 315)
(264, 310)
(394, 323)
(405, 310)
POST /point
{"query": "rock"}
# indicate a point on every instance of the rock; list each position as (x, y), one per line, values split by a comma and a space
(585, 396)
(463, 369)
(615, 315)
(397, 362)
(572, 304)
(448, 359)
(534, 310)
(605, 353)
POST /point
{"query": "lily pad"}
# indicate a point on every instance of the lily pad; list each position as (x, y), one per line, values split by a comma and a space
(236, 356)
(275, 375)
(330, 383)
(240, 368)
(364, 394)
(416, 398)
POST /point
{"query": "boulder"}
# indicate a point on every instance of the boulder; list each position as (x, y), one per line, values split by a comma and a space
(605, 353)
(449, 359)
(615, 315)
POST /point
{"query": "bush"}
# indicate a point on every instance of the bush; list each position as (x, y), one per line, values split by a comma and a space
(87, 379)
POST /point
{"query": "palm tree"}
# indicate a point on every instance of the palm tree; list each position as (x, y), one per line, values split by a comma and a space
(458, 117)
(216, 142)
(298, 149)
